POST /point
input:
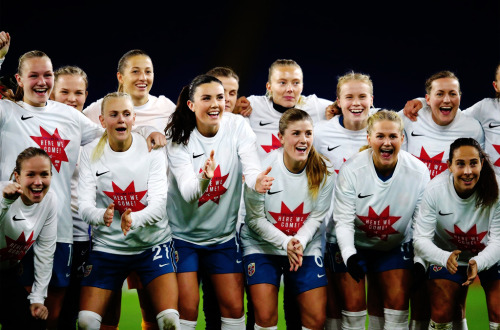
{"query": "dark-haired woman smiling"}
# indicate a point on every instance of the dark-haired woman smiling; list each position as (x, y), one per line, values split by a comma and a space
(460, 216)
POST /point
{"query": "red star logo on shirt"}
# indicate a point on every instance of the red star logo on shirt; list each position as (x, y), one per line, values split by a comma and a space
(435, 164)
(126, 199)
(16, 249)
(470, 241)
(497, 148)
(337, 171)
(54, 145)
(274, 145)
(378, 225)
(215, 188)
(289, 222)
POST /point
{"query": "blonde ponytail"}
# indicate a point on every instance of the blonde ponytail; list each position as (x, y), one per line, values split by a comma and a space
(99, 148)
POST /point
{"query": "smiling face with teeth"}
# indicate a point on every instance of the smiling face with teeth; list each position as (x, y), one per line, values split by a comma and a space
(355, 101)
(208, 106)
(466, 168)
(35, 176)
(118, 118)
(137, 78)
(444, 100)
(296, 140)
(385, 139)
(36, 79)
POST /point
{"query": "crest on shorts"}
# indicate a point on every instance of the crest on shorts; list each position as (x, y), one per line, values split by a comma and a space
(176, 257)
(436, 268)
(88, 269)
(338, 258)
(251, 269)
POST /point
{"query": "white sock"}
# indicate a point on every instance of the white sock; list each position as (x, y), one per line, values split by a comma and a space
(168, 319)
(395, 319)
(353, 320)
(375, 322)
(232, 324)
(333, 324)
(460, 325)
(419, 325)
(494, 326)
(258, 327)
(88, 320)
(440, 326)
(187, 325)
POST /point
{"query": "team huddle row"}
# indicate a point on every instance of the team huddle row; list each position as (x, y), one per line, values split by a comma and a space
(236, 192)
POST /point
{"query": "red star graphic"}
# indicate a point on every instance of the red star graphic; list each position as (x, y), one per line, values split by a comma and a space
(435, 164)
(126, 199)
(378, 225)
(288, 221)
(16, 249)
(54, 145)
(337, 171)
(215, 188)
(274, 145)
(470, 241)
(497, 148)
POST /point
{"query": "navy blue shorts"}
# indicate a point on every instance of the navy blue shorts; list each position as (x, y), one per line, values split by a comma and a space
(372, 261)
(109, 270)
(438, 272)
(266, 268)
(61, 270)
(224, 258)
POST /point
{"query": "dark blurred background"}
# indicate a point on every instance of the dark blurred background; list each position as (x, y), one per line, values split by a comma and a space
(399, 44)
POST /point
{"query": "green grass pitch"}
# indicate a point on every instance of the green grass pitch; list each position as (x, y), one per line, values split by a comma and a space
(477, 316)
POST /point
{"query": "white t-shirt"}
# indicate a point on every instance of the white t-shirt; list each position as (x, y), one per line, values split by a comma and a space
(430, 142)
(156, 112)
(338, 144)
(264, 119)
(375, 214)
(134, 179)
(487, 112)
(206, 213)
(447, 222)
(58, 129)
(22, 226)
(285, 211)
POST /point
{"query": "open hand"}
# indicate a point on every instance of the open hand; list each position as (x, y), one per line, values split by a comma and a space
(108, 215)
(126, 221)
(452, 264)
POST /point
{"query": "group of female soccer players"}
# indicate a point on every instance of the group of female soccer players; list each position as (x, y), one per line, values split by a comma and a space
(415, 215)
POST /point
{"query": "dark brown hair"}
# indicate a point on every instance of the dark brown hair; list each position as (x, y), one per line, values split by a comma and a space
(487, 186)
(26, 154)
(183, 120)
